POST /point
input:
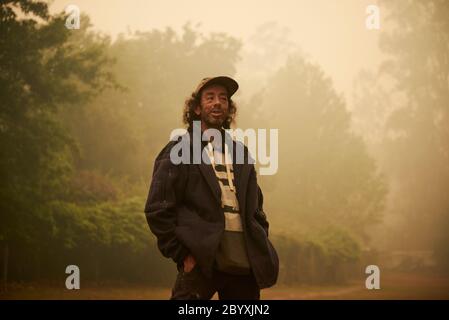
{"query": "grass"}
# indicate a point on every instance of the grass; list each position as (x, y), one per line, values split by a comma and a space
(393, 286)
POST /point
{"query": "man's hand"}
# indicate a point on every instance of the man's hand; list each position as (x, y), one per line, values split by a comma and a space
(189, 263)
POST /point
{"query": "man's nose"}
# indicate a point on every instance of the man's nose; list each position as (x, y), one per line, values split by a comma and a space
(217, 101)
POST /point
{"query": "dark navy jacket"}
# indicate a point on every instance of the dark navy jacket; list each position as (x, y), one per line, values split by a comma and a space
(184, 211)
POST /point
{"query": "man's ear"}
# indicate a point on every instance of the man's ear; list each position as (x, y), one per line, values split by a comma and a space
(197, 110)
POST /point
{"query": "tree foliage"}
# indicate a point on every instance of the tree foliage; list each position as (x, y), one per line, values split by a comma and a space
(82, 118)
(417, 147)
(325, 174)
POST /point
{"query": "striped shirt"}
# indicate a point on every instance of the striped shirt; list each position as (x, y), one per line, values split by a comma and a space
(232, 256)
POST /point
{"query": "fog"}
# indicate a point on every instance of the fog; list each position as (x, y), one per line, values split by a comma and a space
(331, 33)
(362, 118)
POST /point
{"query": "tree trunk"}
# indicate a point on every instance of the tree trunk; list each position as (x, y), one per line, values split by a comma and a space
(97, 270)
(5, 267)
(38, 264)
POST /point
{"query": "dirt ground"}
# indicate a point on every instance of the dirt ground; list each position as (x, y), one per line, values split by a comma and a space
(393, 286)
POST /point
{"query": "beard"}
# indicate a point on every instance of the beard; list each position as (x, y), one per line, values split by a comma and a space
(213, 121)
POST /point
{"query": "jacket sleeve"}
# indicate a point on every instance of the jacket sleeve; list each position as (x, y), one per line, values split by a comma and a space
(260, 215)
(164, 197)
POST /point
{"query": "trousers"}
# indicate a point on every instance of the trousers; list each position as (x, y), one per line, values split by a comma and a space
(194, 285)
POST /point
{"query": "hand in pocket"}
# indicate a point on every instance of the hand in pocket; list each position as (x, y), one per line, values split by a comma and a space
(189, 263)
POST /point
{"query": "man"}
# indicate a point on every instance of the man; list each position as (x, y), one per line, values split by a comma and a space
(208, 216)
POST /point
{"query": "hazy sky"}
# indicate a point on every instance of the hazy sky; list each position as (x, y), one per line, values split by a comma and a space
(331, 32)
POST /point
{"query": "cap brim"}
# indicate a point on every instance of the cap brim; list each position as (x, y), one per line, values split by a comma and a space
(230, 84)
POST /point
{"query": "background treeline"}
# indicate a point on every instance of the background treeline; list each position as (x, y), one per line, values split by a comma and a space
(82, 119)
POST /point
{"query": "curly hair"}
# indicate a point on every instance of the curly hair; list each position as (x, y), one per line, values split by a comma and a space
(194, 100)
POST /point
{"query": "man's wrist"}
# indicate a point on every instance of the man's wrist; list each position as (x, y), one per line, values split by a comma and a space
(184, 252)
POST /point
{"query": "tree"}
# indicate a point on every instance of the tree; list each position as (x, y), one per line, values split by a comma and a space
(325, 175)
(121, 131)
(417, 142)
(43, 69)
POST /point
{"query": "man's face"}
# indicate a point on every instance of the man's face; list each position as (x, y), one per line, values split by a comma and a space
(214, 106)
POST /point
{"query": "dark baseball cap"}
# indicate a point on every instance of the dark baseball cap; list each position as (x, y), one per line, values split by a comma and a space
(230, 84)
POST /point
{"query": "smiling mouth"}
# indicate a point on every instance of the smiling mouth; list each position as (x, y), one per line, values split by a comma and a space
(216, 113)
